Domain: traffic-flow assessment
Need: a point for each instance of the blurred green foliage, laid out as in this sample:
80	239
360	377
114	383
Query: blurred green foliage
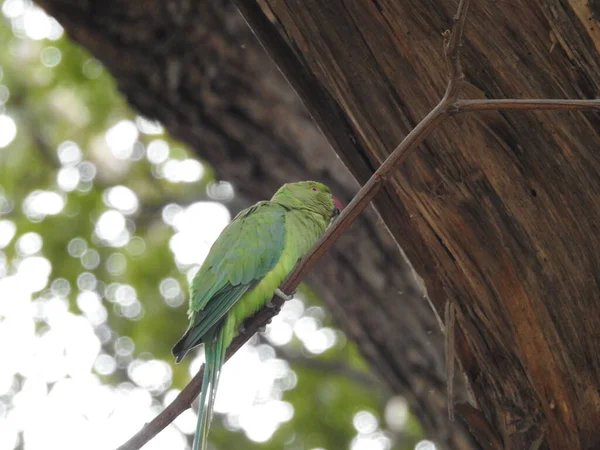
57	93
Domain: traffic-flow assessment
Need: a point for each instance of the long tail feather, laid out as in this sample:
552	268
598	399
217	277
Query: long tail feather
215	357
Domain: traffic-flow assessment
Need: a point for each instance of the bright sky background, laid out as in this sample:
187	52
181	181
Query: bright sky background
60	402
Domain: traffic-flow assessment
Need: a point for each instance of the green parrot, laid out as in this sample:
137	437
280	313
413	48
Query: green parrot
242	272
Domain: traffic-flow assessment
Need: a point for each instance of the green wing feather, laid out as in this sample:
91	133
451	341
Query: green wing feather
245	251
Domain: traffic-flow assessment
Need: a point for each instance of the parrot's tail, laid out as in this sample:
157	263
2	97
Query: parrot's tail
214	350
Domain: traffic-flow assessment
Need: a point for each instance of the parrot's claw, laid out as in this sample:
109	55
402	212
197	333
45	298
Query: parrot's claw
273	306
282	295
242	329
262	329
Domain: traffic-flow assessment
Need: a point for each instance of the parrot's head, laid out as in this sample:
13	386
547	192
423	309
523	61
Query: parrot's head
310	195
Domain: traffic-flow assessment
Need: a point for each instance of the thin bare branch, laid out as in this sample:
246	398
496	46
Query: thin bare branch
461	106
449	319
452	47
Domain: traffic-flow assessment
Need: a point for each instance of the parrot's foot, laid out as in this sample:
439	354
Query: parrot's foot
262	329
242	329
282	295
273	306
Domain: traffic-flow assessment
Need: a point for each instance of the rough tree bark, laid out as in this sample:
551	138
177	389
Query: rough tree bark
498	212
197	68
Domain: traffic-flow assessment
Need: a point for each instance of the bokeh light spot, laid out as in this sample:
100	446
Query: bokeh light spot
4	94
7	232
36	23
364	422
171	291
87	171
396	413
425	445
67	178
50	56
157	151
34	272
154	375
29	243
221	191
77	247
121	198
185	171
69	153
86	281
8	130
60	287
90	259
92	68
39	204
116	263
124	346
110	225
148	126
136	246
13	8
121	137
105	364
90	304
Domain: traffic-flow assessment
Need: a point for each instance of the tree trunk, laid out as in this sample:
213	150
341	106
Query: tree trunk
197	68
499	212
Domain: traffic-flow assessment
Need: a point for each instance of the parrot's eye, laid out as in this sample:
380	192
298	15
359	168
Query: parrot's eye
314	189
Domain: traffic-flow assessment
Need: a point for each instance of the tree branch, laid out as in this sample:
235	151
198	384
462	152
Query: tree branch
452	48
461	106
356	206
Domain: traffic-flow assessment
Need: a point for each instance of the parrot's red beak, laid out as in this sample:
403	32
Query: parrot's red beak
337	206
